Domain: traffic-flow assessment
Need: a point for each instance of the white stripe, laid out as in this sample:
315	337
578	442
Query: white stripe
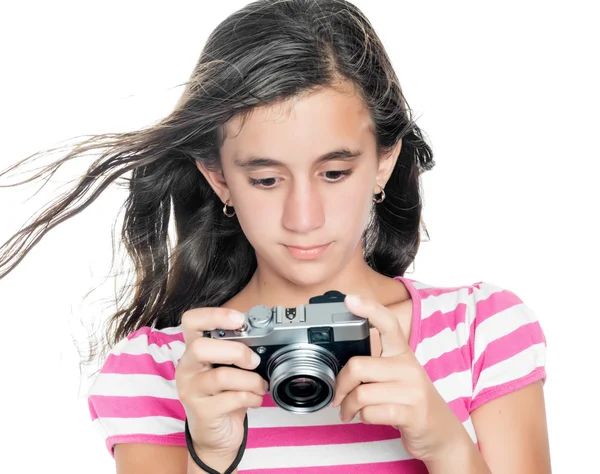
147	425
419	285
177	350
324	455
133	385
278	417
456	385
444	341
139	345
486	290
499	325
452	387
275	457
170	331
513	368
470	429
447	302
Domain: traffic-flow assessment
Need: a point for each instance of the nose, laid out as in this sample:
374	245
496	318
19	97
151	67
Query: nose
303	209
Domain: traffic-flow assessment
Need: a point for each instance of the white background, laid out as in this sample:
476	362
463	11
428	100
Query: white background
506	91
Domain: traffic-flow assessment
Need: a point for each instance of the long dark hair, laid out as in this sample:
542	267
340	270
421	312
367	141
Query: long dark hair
268	51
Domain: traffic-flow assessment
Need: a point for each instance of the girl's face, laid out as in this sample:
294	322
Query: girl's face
301	176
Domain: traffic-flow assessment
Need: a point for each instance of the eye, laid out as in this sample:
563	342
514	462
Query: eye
263	183
337	175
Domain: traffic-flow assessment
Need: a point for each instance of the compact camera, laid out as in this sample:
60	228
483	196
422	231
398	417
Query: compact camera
302	349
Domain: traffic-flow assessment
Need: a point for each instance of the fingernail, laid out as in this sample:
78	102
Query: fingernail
237	317
353	299
255	359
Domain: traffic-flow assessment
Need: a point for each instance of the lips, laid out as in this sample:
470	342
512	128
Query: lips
307	247
307	252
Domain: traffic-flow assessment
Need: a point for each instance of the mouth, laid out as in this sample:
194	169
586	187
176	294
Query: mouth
307	252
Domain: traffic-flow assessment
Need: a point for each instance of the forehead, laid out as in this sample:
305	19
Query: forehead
305	126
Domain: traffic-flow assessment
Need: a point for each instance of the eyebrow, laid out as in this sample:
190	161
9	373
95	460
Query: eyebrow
254	162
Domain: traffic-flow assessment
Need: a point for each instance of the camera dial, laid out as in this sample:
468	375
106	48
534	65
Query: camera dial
259	316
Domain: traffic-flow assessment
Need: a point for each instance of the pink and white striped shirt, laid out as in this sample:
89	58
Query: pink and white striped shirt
476	342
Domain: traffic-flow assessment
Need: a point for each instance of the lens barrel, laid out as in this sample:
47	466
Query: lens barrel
302	377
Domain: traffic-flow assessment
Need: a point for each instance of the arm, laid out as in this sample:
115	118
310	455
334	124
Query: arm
136	402
137	458
512	436
512	432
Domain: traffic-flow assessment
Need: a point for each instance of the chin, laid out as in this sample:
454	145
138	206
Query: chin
307	278
318	274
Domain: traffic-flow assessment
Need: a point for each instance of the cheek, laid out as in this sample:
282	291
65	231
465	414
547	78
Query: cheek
258	214
349	208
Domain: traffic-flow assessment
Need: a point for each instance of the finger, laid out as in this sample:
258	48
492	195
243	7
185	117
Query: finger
393	341
369	394
213	351
195	321
227	402
387	414
224	379
363	370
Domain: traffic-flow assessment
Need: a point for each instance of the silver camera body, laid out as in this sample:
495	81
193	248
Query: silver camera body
302	349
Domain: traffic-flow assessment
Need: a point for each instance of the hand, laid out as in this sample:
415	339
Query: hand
216	399
395	390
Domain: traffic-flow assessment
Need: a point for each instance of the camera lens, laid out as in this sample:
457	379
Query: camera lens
302	377
302	391
302	388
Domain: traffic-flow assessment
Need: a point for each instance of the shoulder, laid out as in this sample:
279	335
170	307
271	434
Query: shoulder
471	304
482	334
153	341
146	351
134	396
479	312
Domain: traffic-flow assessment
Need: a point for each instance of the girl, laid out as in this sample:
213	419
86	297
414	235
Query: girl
291	167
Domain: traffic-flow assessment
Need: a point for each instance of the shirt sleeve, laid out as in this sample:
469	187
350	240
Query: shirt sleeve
134	397
508	346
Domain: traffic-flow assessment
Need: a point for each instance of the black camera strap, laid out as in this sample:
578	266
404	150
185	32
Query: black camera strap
210	470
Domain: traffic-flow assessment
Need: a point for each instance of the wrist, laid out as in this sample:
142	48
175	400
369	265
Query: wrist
218	461
464	453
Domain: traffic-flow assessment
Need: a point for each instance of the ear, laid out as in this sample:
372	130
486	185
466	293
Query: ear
386	166
216	180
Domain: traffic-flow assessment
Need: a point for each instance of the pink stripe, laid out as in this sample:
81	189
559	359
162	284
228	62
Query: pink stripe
93	412
134	407
460	407
412	466
142	364
439	321
471	342
495	303
417	312
268	402
491	393
427	292
319	435
448	363
487	309
156	337
508	346
177	439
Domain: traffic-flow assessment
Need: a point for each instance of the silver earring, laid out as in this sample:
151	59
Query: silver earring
379	197
226	211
